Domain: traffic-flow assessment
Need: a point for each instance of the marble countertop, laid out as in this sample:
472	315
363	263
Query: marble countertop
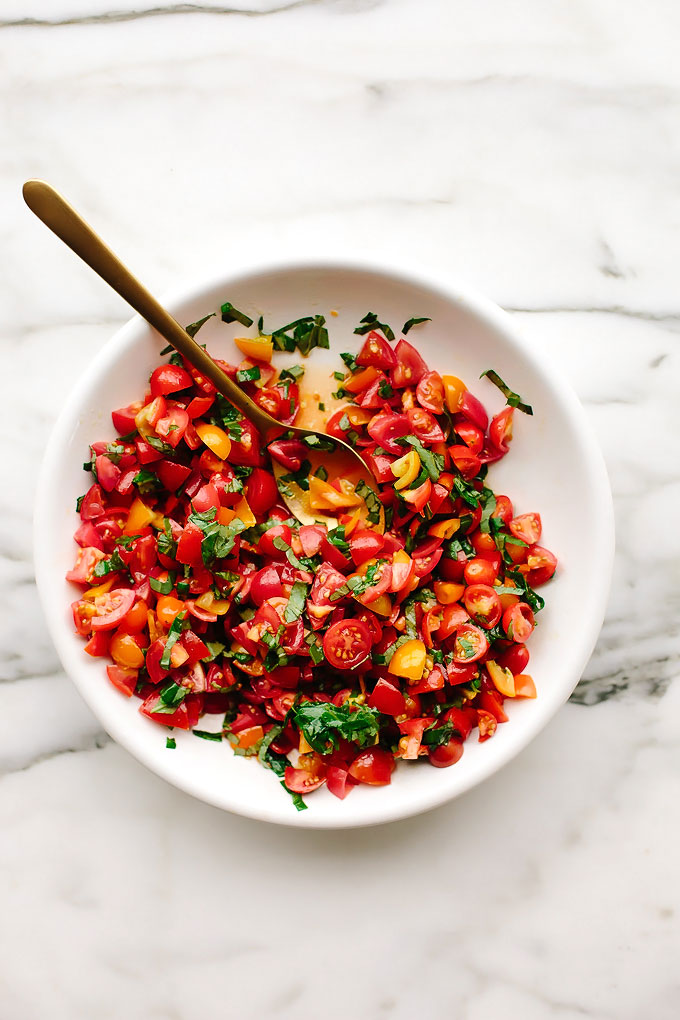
530	148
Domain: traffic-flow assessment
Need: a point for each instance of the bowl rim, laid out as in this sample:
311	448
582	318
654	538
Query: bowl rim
453	290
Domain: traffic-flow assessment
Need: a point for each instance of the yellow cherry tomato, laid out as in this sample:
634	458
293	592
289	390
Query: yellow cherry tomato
409	660
324	496
215	438
244	513
259	348
101	589
139	516
406	469
167	608
125	651
444	529
454	388
447	592
502	678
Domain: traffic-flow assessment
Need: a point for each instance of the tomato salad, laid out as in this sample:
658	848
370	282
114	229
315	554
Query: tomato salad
330	653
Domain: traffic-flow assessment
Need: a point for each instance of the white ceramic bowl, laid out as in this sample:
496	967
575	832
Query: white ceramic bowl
554	467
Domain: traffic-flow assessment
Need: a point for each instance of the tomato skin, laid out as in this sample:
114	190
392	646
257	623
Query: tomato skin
483	605
374	767
124	418
169	379
86	560
503	509
377	352
453	616
266	544
387	698
346	644
492	702
207	498
472	436
410	367
247	451
518	622
381	466
262	492
172	475
288	452
430	392
446	754
189	546
526	527
365	545
480	571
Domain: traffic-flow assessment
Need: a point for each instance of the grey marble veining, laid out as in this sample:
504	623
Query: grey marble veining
530	148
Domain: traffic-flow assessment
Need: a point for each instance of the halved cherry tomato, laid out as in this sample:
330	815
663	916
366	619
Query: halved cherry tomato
487	724
410	367
169	379
524	686
346	644
500	429
526	527
266	544
470	643
376	351
365	545
446	754
302	781
386	428
262	491
473	409
472	436
518	622
173	426
467	462
381	572
483	605
430	392
111	608
541	565
425	426
480	571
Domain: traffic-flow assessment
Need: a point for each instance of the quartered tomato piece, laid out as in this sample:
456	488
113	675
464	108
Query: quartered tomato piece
430	392
374	767
377	352
410	367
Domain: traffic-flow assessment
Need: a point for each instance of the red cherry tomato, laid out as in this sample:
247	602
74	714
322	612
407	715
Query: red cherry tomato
410	367
387	698
365	545
500	429
503	509
266	544
483	605
518	622
347	643
290	453
266	584
470	644
173	426
425	426
430	392
262	492
480	571
462	720
526	527
377	352
473	409
206	498
467	462
374	767
446	754
452	616
542	565
516	659
487	724
247	451
385	428
381	571
111	608
302	781
169	379
472	436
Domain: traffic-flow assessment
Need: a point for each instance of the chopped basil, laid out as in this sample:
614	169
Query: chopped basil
488	501
466	491
171	743
146	481
260	325
436	736
385	390
231	314
270	759
322	407
344	423
208	735
317	442
248	374
227	417
351	362
192	329
321	473
308	332
218	539
297	799
296	602
370	498
340	376
513	399
315	650
183	589
166	543
114	451
293	373
160	446
432	462
324	724
110	566
299	477
413	322
162	587
179	624
79	502
282	546
337	538
370	322
352	585
531	597
502	540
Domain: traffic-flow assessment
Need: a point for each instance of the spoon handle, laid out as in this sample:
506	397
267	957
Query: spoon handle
55	212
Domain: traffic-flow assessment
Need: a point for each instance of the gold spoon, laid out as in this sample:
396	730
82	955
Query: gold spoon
55	212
